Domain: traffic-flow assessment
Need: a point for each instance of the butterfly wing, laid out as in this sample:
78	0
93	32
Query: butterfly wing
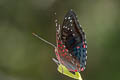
72	45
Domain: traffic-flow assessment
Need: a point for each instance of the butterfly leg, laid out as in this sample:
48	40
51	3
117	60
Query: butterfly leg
56	61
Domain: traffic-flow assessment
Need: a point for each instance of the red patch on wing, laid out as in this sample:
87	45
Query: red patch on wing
66	50
78	47
63	45
84	46
65	53
59	51
58	45
82	69
63	50
75	70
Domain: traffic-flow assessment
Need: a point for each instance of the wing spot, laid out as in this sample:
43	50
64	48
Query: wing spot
65	53
72	62
71	24
56	20
86	51
84	46
75	70
68	17
63	45
64	39
70	20
66	50
82	69
73	34
83	30
63	26
58	45
59	26
62	54
65	17
86	57
58	31
68	28
85	62
55	13
56	24
78	47
85	36
59	51
63	50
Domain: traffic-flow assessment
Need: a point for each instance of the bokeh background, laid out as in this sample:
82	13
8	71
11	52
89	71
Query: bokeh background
24	57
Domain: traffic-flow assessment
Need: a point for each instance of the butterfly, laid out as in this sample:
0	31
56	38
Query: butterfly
71	46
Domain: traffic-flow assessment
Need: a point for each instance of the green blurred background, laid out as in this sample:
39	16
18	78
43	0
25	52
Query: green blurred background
24	57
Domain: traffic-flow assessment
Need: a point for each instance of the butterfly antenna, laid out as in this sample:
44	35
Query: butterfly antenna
44	40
